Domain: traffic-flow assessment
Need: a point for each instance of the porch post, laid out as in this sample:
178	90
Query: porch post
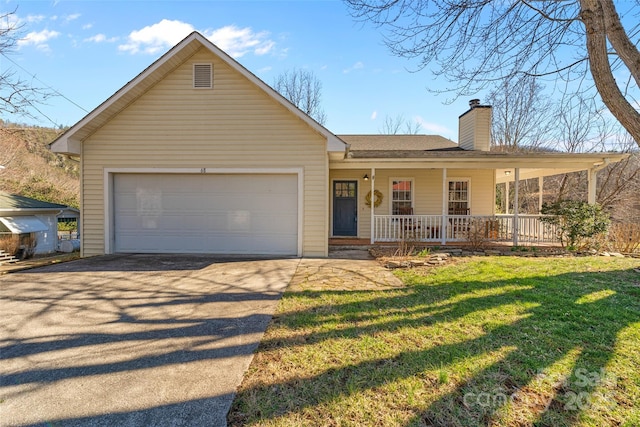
373	208
516	202
506	200
592	177
540	193
445	210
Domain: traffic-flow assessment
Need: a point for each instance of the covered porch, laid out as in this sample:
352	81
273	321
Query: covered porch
450	197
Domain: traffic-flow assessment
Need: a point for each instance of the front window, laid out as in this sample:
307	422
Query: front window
401	197
459	197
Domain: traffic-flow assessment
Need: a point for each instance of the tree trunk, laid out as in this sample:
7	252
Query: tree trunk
592	16
620	41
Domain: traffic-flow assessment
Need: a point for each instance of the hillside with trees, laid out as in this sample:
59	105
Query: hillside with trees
32	170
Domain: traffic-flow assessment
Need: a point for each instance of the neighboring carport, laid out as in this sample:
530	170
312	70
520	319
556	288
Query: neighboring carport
133	339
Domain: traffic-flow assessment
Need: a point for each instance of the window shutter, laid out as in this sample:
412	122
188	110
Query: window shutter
202	76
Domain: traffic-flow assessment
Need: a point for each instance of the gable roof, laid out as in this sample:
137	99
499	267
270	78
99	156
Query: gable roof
398	142
13	202
70	141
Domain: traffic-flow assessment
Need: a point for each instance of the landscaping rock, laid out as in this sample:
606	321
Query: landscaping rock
443	255
388	256
393	264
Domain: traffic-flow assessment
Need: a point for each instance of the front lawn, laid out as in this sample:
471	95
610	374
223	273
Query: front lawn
502	341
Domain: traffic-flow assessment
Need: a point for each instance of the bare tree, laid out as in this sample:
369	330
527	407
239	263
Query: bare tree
17	96
304	90
475	43
579	126
522	114
399	125
9	148
619	183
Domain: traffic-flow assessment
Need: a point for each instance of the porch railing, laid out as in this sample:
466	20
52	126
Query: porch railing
457	228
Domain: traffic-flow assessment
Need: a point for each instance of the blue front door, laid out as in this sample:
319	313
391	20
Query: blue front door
345	208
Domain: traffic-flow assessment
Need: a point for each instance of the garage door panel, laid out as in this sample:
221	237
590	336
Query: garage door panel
251	214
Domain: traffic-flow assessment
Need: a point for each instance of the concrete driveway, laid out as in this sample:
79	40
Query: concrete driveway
132	340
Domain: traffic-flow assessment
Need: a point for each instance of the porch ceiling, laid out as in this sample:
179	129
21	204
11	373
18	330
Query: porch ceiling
531	165
508	175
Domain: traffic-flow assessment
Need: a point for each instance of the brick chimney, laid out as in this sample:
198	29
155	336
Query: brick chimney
474	127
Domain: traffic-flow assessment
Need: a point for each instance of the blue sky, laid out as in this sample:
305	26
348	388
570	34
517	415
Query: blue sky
87	50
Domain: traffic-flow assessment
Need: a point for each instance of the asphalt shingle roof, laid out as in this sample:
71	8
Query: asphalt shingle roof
13	201
398	142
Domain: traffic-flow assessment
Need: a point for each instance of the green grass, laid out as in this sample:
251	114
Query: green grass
502	341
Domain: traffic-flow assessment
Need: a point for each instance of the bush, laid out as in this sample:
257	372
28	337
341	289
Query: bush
28	243
67	226
10	244
478	234
624	237
575	221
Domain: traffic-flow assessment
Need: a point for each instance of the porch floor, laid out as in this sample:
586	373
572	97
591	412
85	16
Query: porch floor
352	241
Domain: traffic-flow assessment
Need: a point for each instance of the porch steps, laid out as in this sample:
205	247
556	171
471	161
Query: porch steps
5	258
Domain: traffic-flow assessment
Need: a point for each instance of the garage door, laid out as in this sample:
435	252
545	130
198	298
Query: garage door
232	214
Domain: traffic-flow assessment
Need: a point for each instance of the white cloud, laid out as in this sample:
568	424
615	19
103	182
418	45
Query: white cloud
432	127
166	33
38	39
157	37
374	115
240	41
72	17
87	26
34	19
357	66
100	38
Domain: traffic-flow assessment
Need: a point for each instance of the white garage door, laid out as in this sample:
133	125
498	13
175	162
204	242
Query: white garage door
231	214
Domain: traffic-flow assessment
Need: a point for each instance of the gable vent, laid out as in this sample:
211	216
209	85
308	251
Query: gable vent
202	76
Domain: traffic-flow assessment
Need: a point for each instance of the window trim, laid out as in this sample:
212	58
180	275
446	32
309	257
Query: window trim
461	179
413	191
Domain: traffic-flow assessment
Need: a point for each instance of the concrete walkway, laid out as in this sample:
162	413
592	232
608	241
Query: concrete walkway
133	340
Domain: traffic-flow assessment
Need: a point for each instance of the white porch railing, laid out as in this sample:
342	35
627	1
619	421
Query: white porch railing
457	228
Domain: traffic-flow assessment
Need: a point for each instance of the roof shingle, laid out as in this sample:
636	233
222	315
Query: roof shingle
13	201
397	142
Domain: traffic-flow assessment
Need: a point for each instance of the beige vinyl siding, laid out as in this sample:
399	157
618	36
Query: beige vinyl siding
474	132
233	125
427	198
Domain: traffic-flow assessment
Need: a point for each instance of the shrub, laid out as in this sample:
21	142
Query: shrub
624	237
28	243
575	221
10	244
477	234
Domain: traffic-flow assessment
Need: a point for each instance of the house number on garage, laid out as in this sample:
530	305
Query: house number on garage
203	170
